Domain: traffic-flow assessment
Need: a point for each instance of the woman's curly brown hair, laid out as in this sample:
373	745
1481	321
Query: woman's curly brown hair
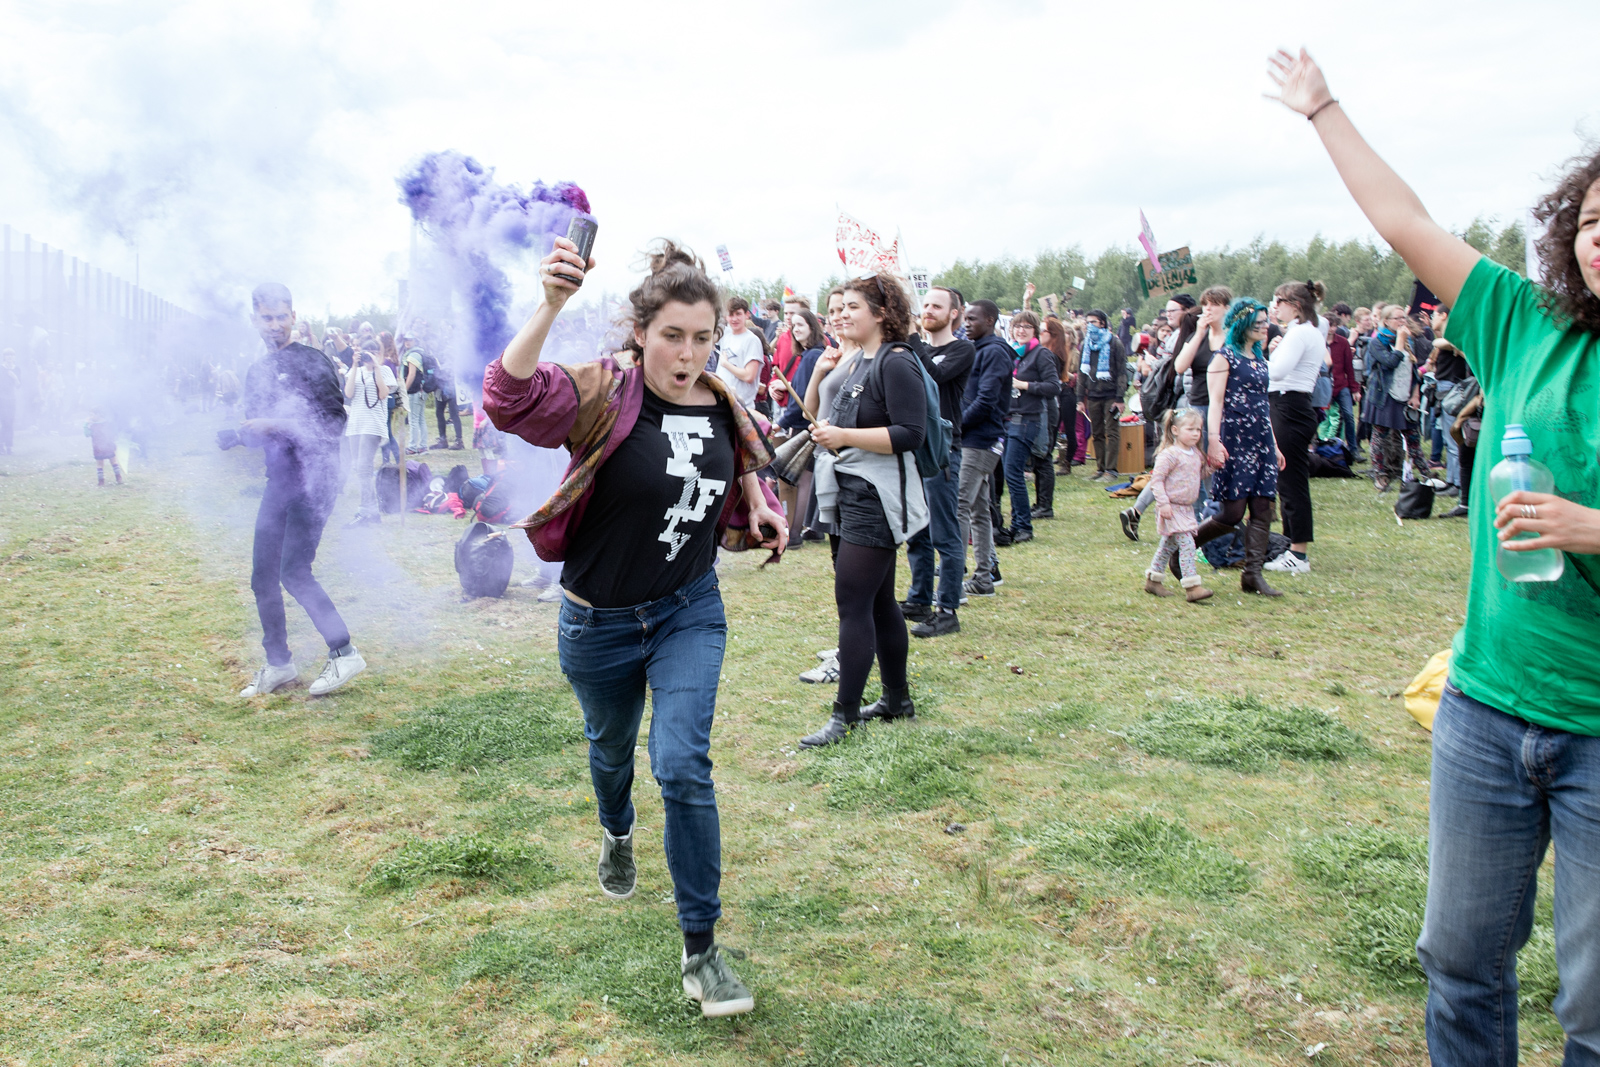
886	298
676	274
1565	292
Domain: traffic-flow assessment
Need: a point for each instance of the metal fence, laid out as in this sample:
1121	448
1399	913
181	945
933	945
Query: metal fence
59	310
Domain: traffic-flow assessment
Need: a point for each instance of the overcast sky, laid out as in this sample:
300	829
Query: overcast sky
232	142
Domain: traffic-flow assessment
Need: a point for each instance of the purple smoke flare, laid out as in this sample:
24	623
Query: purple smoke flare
474	220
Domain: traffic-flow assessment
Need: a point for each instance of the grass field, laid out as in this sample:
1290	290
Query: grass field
1122	830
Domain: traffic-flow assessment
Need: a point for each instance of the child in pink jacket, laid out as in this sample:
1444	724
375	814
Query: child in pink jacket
1175	483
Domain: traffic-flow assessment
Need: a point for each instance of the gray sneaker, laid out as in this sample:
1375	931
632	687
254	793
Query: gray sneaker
708	979
826	673
619	875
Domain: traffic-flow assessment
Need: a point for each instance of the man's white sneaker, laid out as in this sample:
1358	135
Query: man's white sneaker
1288	563
827	654
269	679
340	669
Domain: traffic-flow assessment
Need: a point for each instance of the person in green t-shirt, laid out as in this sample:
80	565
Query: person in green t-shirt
1516	742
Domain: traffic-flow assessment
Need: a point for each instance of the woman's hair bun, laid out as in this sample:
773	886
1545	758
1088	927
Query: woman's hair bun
666	253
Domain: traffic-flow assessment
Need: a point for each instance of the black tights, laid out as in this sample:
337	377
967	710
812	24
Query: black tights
869	620
1232	511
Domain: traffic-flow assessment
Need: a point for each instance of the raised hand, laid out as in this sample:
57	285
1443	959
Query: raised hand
561	272
1301	87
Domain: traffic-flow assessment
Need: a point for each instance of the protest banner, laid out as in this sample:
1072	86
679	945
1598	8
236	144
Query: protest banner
1423	302
727	260
1147	238
921	281
1078	286
1177	271
1051	302
863	250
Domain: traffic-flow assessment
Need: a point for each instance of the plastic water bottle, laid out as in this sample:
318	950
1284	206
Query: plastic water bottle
1519	470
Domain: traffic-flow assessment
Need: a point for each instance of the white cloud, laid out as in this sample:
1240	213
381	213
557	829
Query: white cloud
233	142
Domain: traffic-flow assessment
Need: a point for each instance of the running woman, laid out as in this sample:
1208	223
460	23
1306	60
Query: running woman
663	470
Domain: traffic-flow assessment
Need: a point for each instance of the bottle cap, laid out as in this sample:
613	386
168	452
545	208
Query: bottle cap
1515	442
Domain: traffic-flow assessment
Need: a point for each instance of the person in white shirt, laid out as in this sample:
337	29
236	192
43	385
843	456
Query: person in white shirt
1296	358
742	354
366	389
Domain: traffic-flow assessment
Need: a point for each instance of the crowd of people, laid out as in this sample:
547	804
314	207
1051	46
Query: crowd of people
889	419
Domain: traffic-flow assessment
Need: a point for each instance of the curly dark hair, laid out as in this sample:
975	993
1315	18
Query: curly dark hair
1565	292
887	299
675	274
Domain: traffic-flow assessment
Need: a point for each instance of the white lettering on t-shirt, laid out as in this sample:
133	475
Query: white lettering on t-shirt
685	433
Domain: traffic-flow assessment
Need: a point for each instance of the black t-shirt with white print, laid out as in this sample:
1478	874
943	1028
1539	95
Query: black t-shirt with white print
651	525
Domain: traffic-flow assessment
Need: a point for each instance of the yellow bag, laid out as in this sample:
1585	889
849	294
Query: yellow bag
1422	695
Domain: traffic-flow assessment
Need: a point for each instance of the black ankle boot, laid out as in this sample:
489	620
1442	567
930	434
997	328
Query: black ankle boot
844	719
894	704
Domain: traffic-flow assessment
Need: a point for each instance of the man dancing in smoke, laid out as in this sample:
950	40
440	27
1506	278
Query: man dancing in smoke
294	409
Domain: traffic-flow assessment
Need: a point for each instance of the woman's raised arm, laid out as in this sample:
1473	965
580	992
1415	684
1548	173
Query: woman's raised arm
1440	258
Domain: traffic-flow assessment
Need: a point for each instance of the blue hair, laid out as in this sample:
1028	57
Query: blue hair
1241	318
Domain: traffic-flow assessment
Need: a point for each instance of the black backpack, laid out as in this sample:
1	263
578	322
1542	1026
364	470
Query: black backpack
456	479
1157	395
1415	501
483	561
417	478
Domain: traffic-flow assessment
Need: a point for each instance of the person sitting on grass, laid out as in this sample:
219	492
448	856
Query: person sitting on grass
664	458
1516	740
1175	481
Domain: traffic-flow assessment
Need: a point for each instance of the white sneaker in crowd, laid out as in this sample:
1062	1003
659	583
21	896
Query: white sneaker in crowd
1288	563
340	669
826	673
269	679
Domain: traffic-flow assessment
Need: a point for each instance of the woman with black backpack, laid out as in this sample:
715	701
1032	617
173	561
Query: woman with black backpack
869	483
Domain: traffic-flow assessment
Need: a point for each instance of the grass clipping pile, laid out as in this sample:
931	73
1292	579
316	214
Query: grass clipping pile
1244	734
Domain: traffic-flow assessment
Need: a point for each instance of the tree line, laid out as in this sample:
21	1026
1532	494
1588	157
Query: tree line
1355	272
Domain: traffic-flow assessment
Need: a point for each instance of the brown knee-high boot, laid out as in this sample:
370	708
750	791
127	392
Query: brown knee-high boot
1256	537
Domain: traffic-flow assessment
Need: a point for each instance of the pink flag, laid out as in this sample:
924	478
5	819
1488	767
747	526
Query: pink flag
1148	240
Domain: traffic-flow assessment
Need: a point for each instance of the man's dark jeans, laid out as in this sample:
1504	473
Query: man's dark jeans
673	647
445	407
1020	435
288	530
943	532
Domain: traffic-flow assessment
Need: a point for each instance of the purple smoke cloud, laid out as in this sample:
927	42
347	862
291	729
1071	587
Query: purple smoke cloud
475	220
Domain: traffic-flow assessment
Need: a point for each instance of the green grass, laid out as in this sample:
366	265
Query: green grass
474	856
907	766
1243	733
402	873
483	728
1152	852
1381	878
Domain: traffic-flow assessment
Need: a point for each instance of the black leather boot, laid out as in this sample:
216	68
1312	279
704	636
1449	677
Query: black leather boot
1256	538
1209	530
894	704
844	719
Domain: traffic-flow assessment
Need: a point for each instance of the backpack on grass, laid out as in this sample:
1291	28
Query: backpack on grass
483	561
